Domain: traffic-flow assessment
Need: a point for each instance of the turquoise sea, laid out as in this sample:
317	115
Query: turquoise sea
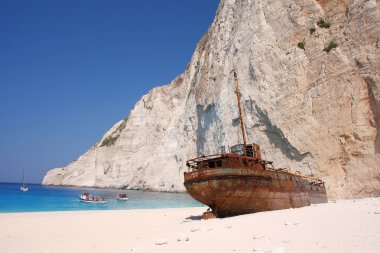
41	198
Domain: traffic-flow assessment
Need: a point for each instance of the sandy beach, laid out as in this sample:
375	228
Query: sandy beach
341	226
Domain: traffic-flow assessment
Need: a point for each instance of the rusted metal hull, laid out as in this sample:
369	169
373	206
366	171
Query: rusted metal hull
242	182
234	191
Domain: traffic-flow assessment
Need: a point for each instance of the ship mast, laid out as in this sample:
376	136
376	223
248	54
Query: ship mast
23	173
240	111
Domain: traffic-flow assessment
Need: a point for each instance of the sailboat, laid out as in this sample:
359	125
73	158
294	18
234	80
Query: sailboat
23	188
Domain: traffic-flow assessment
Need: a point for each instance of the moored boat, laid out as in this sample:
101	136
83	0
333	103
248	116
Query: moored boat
87	198
240	181
122	197
23	188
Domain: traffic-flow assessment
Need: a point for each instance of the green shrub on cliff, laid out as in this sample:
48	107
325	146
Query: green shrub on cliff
332	45
323	23
109	141
301	44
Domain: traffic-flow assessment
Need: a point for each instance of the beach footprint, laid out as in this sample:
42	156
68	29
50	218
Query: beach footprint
183	238
161	242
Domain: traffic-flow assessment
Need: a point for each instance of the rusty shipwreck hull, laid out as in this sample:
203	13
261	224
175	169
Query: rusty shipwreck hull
234	191
240	181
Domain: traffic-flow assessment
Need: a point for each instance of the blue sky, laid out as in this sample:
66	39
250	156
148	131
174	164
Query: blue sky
70	69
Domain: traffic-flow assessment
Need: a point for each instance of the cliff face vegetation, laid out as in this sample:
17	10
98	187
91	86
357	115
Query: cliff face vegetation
309	74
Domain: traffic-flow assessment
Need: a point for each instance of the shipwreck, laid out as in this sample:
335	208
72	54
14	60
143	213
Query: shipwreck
240	181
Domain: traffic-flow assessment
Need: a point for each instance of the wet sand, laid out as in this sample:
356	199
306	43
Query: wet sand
344	226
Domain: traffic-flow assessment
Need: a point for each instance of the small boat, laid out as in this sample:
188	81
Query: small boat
122	197
23	188
87	198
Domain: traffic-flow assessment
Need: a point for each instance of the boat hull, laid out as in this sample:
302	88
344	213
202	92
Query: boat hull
93	201
235	191
24	188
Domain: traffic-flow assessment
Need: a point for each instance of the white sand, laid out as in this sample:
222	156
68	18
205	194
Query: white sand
345	226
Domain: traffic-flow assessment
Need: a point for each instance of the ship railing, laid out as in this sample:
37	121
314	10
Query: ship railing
195	161
278	169
311	180
193	164
315	181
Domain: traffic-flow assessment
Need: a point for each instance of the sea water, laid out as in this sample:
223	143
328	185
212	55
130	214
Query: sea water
41	198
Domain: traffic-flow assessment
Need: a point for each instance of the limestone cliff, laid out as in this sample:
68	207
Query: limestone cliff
309	72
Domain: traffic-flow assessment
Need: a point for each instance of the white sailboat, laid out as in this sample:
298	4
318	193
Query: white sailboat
23	188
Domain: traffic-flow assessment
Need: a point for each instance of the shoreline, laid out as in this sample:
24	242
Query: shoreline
52	198
111	188
338	226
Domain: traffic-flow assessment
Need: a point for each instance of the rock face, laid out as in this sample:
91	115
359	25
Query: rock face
309	74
